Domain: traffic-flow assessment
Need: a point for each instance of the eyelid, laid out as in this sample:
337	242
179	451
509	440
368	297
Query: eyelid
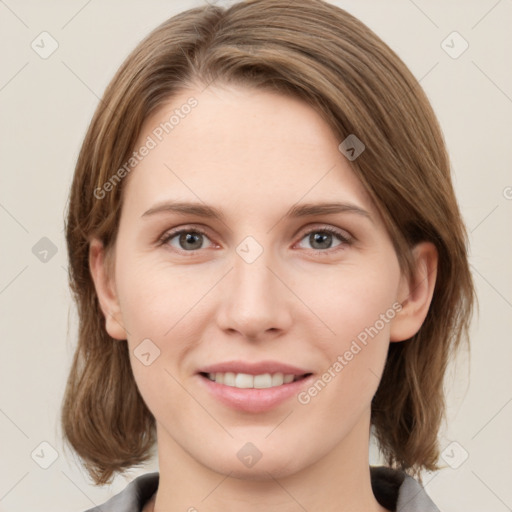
342	233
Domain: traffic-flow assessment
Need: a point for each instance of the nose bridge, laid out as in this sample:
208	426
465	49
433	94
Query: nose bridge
251	275
255	299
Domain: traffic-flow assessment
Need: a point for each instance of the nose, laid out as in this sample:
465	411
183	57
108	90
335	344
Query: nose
254	299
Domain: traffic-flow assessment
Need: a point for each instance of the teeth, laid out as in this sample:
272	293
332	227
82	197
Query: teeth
244	380
263	381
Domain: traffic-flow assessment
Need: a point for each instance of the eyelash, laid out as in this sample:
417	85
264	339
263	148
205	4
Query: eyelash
169	235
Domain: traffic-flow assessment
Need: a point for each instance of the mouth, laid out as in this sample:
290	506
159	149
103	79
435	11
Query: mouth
249	381
251	387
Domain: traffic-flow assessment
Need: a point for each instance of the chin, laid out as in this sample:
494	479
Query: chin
274	465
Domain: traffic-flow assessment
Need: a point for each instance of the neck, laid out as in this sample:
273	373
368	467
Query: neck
338	481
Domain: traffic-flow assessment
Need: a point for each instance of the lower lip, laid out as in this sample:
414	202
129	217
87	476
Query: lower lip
252	399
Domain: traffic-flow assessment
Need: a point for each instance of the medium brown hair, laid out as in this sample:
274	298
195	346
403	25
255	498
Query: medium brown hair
319	53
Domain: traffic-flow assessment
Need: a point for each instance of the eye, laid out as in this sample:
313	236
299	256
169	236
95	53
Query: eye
188	240
321	239
191	239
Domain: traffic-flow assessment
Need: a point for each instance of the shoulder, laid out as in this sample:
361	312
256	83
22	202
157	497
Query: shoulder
133	497
394	490
399	492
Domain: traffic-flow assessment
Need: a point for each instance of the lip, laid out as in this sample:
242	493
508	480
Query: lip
254	368
254	400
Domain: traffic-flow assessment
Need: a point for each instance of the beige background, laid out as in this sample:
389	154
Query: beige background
46	105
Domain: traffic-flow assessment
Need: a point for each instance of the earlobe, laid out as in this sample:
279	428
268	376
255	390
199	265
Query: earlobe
415	294
105	290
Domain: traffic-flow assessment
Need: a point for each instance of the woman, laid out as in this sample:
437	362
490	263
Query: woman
268	260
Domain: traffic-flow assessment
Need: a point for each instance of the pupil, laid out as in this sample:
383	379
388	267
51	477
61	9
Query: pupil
317	238
188	238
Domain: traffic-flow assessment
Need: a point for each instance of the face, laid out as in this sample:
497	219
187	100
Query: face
268	287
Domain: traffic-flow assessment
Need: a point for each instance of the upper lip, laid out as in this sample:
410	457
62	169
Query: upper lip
254	368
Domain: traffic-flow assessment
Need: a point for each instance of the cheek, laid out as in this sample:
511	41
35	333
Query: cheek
161	310
357	304
156	296
354	299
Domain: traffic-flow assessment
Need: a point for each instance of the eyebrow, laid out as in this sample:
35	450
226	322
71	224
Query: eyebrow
296	211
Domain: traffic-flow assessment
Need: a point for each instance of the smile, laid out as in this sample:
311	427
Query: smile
245	380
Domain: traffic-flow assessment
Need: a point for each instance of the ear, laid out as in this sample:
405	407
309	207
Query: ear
415	294
104	282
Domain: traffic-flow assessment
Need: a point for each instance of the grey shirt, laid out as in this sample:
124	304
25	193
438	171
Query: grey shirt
393	489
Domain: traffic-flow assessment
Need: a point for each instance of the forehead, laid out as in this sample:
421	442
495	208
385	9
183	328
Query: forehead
241	146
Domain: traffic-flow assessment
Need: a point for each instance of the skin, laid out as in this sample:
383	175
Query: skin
253	154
